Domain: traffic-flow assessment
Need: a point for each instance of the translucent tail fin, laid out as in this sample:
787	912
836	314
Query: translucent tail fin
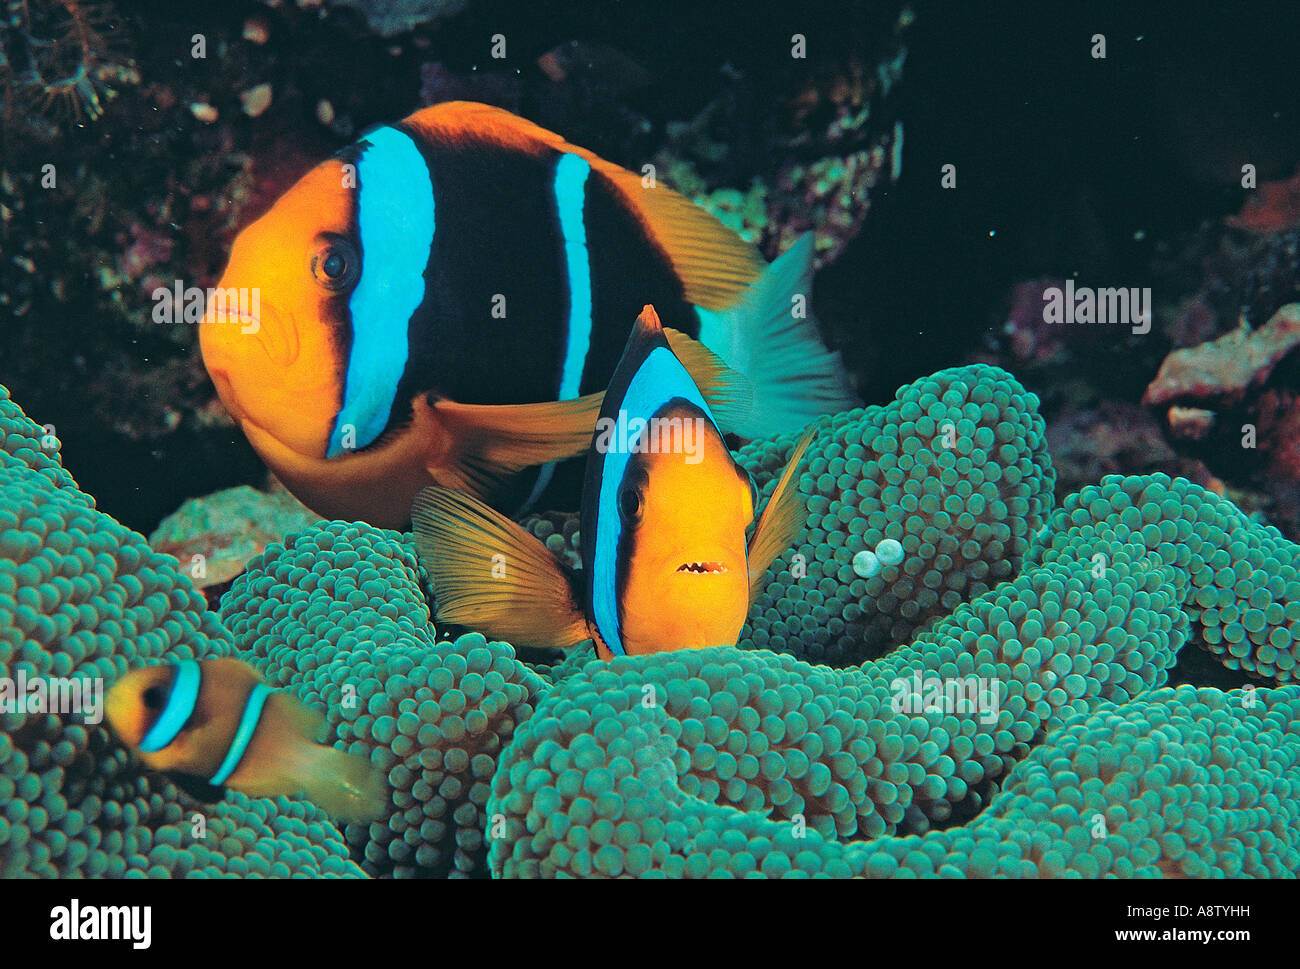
346	786
771	337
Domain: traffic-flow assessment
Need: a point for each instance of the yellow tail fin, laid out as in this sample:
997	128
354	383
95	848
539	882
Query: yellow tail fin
292	762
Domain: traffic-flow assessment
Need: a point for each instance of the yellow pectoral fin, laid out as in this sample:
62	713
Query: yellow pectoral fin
782	519
488	574
489	443
728	392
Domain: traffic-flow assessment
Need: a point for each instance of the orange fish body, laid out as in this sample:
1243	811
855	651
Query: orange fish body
444	301
215	724
686	582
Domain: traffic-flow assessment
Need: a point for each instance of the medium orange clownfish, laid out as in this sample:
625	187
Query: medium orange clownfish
665	508
432	304
215	724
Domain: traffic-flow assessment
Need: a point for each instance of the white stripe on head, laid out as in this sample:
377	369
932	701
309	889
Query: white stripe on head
178	709
395	223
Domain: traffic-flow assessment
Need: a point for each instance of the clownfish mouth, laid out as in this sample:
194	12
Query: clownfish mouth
703	568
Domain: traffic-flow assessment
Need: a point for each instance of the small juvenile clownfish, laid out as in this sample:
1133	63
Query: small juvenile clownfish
443	302
215	724
665	508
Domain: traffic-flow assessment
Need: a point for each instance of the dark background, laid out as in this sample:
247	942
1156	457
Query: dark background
1061	159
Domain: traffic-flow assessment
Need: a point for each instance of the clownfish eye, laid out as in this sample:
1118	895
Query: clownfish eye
630	505
336	263
155	698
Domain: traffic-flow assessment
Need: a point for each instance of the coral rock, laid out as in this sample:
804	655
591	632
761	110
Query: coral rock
1225	368
216	536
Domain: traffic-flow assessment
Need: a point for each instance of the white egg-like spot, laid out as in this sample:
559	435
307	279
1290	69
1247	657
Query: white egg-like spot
866	564
890	552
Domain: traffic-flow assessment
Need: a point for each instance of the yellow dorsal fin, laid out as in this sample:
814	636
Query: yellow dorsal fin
714	264
782	520
488	574
729	394
648	322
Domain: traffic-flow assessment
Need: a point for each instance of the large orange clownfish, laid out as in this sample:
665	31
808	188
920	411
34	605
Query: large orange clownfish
431	305
665	509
